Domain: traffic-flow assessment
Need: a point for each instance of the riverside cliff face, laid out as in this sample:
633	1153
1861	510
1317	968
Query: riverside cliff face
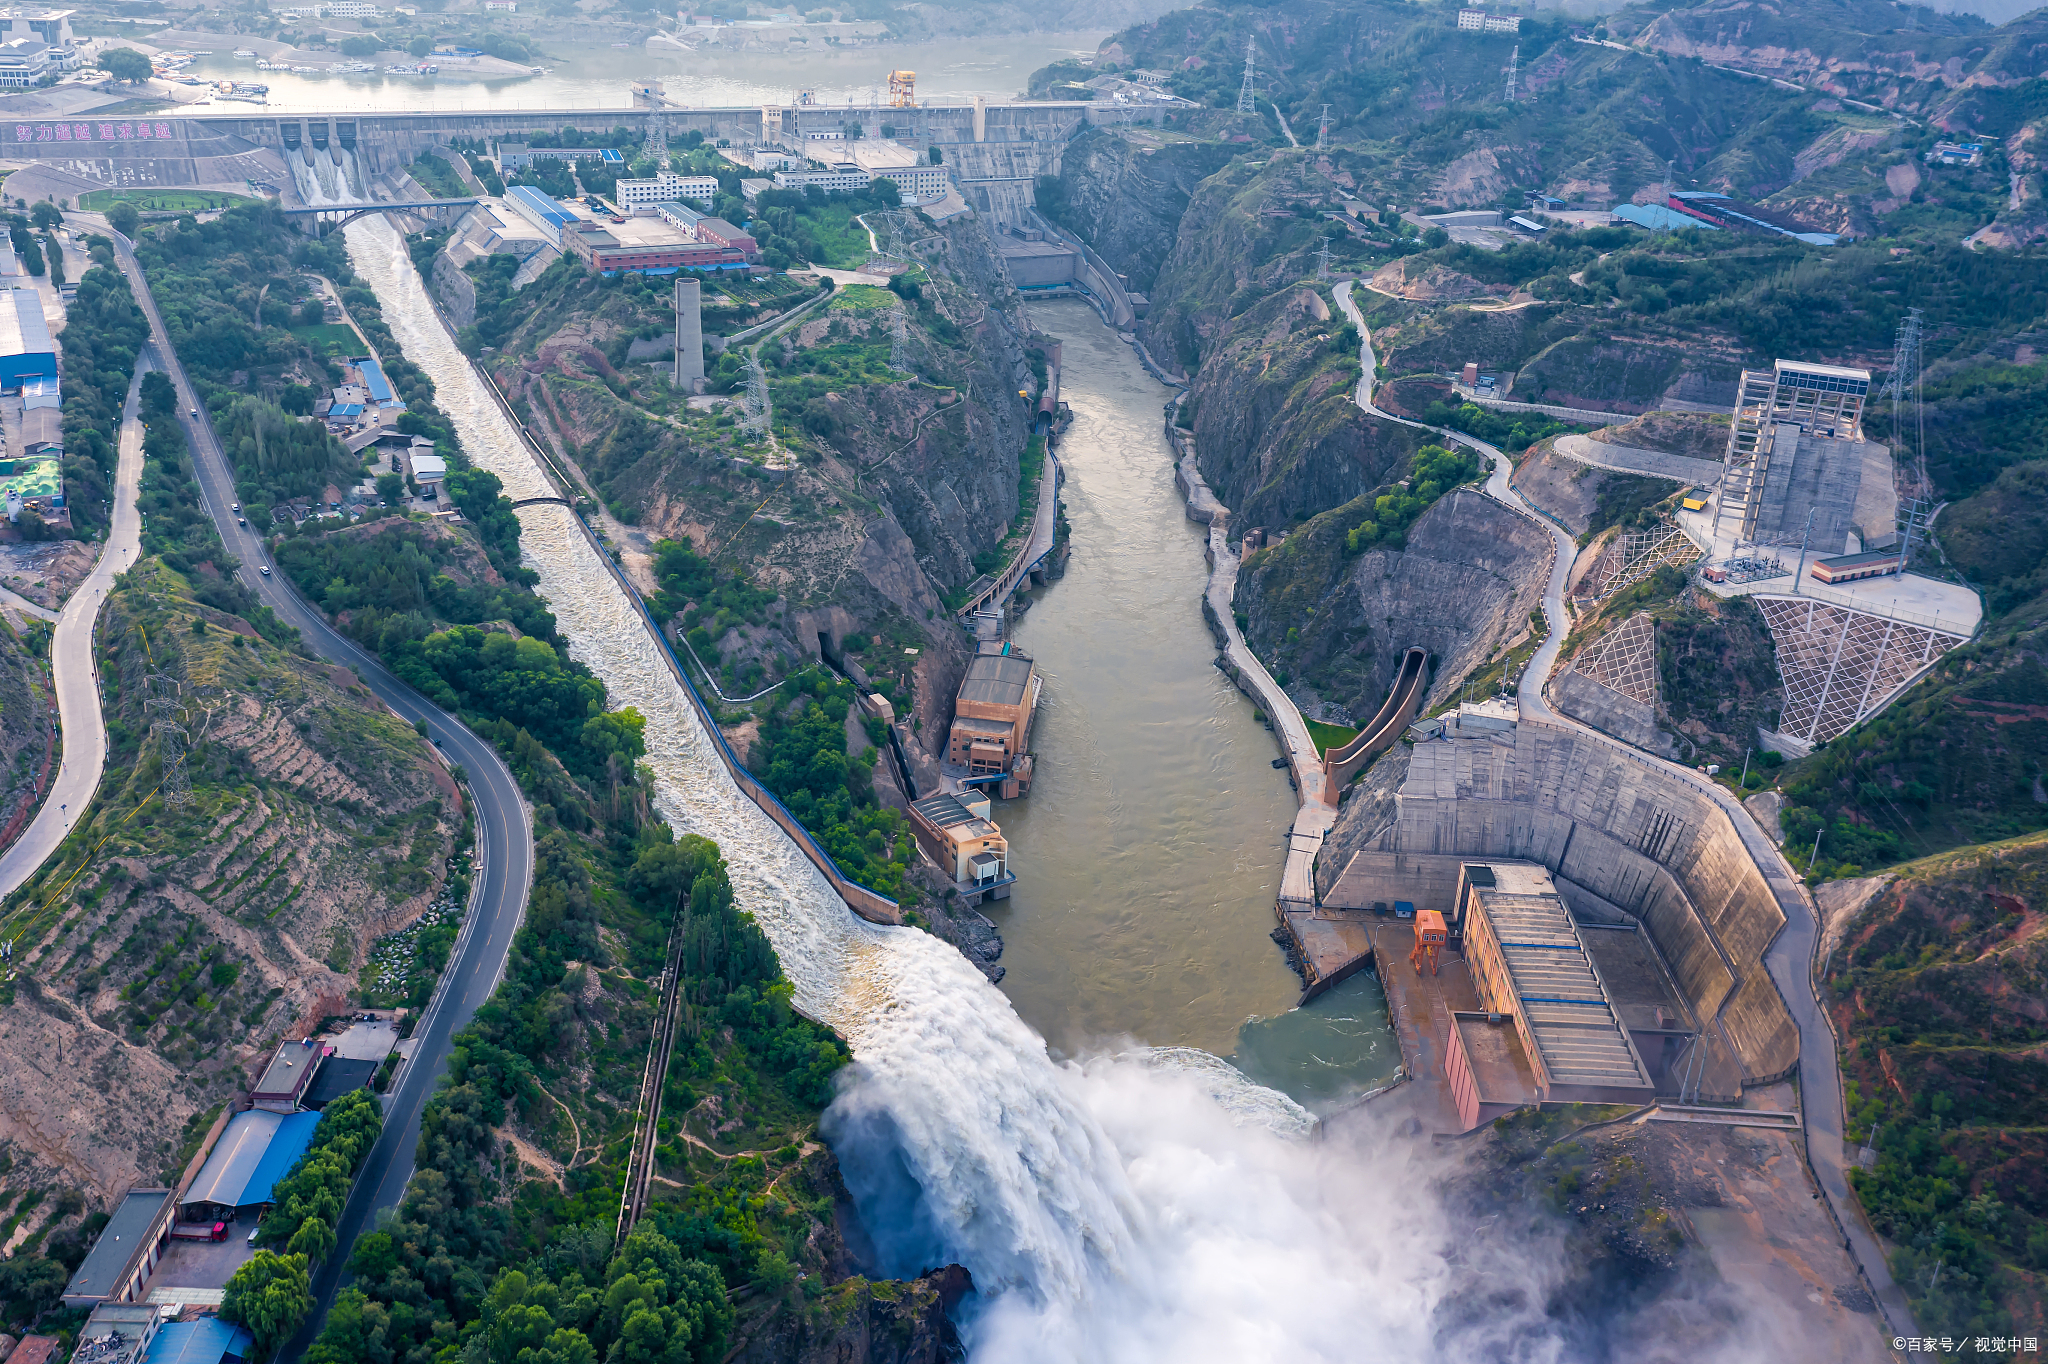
1337	624
1126	200
1278	435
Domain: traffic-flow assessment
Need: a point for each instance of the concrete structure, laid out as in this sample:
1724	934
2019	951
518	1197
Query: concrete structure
1841	665
1621	836
689	356
956	832
1796	443
1849	568
664	188
286	1078
1529	964
992	714
1612	684
129	1246
547	215
1038	264
26	350
1486	1068
117	1333
52	26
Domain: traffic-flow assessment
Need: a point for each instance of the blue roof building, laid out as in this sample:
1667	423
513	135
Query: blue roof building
209	1340
1658	218
540	210
380	387
225	1176
287	1144
26	350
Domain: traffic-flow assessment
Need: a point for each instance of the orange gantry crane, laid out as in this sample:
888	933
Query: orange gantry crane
1430	936
902	89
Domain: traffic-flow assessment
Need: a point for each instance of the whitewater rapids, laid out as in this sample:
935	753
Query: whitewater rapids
1138	1207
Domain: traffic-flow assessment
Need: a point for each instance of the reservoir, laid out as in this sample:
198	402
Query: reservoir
1150	848
593	76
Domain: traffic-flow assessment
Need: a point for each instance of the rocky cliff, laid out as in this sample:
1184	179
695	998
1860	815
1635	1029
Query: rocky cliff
1125	199
1278	434
1334	625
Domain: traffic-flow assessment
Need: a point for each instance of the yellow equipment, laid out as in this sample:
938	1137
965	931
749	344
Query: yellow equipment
902	89
1430	936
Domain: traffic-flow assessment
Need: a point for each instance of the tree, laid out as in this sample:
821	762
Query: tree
360	46
420	46
390	489
270	1294
125	64
44	214
314	1239
124	219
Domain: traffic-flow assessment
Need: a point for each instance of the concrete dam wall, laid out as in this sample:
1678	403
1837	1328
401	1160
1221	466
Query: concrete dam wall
1629	836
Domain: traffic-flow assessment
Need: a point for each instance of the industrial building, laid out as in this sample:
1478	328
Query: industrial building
285	1079
26	350
1796	444
646	246
1848	568
129	1246
545	213
1530	965
665	188
956	832
1727	211
255	1151
991	732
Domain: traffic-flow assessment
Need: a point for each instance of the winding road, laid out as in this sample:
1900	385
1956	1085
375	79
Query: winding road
504	857
74	671
1790	956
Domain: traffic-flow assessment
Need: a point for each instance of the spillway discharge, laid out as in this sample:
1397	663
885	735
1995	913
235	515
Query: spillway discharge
1144	1206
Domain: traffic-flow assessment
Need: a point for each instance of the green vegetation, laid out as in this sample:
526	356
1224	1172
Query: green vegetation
329	340
438	177
125	64
309	1199
814	227
1512	432
1435	472
863	297
801	757
270	1294
103	335
161	200
1938	992
1327	737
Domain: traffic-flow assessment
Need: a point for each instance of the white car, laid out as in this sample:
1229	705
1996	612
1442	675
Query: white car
234	506
265	570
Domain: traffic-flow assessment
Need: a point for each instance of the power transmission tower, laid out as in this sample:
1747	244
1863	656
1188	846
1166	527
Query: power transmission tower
170	747
1323	130
1514	60
1323	261
1246	103
756	404
1916	505
657	140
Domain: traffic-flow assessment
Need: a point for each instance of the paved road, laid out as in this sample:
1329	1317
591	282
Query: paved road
74	670
504	837
1629	459
1790	957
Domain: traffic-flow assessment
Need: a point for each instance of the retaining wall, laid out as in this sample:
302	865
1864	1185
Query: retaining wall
1631	834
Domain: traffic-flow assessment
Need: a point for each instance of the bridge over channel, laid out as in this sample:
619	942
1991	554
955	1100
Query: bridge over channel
341	215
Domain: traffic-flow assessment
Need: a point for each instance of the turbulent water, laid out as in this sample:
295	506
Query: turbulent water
1149	1206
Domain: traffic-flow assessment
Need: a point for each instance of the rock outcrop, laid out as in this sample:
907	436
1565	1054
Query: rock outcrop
1126	200
1337	624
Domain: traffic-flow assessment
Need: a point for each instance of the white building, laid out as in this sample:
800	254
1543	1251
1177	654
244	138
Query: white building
52	26
26	61
501	6
1479	21
1472	20
849	178
918	184
665	188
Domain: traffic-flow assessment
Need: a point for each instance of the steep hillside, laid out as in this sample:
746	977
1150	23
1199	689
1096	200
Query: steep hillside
1124	195
1331	617
168	944
1940	987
